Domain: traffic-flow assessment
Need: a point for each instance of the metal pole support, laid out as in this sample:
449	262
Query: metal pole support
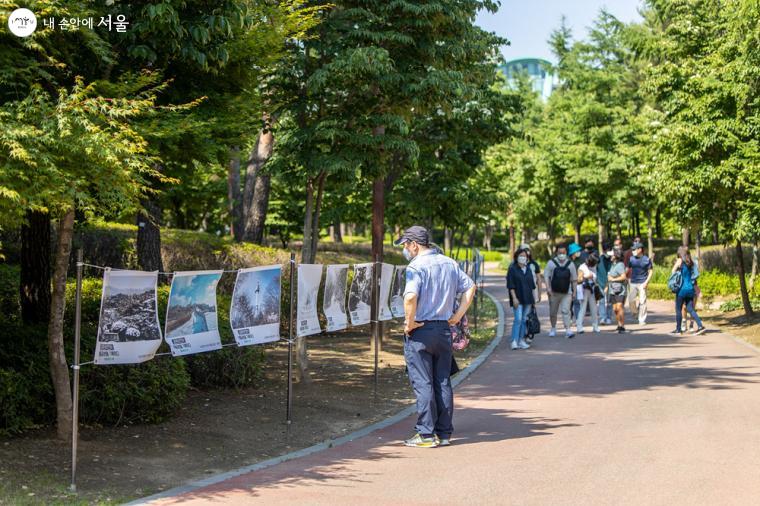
375	311
291	336
75	396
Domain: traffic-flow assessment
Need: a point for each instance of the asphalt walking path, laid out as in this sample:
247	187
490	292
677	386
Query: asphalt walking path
640	418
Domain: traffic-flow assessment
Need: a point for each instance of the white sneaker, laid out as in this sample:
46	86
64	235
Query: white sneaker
553	332
514	346
596	330
523	345
569	334
608	322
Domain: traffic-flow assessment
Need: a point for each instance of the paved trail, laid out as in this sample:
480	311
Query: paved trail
644	418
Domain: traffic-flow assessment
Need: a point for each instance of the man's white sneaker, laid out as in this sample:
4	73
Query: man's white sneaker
523	345
553	332
569	334
514	346
596	330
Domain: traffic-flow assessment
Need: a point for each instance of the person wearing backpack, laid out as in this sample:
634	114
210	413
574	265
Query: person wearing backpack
560	276
602	270
520	286
587	275
686	292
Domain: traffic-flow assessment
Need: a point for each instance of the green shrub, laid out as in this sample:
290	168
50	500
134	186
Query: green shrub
9	292
230	367
734	304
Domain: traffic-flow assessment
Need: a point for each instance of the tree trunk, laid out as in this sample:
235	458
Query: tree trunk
307	257
600	230
637	222
59	370
378	218
234	204
685	236
512	245
742	280
755	260
578	226
317	211
255	206
149	236
338	232
488	236
650	234
34	289
260	207
698	243
447	239
658	223
618	226
715	234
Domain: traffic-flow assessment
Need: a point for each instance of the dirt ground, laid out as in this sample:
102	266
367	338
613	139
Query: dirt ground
217	431
736	323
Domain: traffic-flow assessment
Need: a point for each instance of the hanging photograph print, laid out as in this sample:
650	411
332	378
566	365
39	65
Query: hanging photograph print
384	293
334	304
397	292
255	308
360	295
128	329
191	318
309	278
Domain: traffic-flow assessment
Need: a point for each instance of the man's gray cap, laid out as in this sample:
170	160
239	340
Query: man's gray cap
416	234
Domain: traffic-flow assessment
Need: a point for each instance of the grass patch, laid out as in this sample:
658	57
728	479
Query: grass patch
44	488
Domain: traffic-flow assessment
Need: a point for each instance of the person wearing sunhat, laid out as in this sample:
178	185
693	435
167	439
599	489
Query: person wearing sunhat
574	251
433	282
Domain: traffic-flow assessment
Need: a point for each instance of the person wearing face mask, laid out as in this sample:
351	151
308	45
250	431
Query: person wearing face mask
587	279
536	269
602	269
640	271
617	288
520	285
588	249
575	251
560	276
433	282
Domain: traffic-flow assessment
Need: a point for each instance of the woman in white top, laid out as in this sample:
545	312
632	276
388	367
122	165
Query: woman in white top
585	293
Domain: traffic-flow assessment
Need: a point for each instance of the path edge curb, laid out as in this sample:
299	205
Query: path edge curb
330	443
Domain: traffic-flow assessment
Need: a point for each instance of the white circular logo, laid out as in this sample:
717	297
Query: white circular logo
22	22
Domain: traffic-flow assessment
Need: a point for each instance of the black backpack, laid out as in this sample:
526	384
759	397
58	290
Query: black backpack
561	278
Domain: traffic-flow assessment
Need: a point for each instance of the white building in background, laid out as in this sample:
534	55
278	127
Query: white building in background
538	71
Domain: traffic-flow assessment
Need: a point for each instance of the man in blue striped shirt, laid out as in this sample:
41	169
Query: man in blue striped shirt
433	282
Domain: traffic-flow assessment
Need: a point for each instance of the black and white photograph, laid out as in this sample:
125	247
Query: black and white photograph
397	292
334	303
128	329
384	292
255	307
309	279
192	325
360	294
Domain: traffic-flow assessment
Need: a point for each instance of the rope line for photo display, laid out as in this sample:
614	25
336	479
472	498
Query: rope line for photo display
281	341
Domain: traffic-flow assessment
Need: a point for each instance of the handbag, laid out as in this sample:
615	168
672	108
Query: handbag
460	334
598	294
532	323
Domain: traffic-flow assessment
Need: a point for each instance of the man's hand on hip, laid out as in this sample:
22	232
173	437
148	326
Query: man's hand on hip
410	326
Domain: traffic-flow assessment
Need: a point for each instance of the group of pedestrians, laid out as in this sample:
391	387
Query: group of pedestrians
576	279
583	281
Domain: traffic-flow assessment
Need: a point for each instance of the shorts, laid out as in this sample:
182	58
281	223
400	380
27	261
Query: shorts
616	299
